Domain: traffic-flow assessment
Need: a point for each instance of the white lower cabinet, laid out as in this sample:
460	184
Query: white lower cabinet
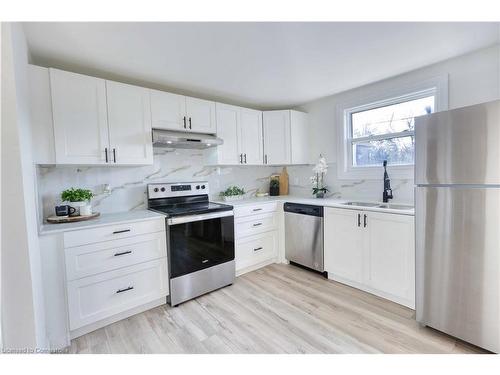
372	251
113	269
97	297
256	233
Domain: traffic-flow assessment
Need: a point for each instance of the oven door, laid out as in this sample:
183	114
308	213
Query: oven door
199	241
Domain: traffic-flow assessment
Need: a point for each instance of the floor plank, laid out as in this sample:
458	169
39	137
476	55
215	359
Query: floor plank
276	309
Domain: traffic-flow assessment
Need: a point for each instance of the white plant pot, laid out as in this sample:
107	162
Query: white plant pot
80	207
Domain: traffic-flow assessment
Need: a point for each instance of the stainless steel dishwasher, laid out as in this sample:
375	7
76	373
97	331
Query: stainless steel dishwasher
304	235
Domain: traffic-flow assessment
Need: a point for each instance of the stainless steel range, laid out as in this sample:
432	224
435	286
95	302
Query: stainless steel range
200	238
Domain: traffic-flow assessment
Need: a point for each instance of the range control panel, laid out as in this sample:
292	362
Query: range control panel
180	189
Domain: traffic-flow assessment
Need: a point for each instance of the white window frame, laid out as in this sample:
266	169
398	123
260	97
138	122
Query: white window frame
437	86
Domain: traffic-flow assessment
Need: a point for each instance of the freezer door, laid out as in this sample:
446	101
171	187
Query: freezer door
459	146
458	262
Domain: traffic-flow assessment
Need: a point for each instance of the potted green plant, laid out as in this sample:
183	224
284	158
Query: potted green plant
232	193
274	187
79	199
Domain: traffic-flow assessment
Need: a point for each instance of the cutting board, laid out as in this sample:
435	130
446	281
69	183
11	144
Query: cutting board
284	182
70	219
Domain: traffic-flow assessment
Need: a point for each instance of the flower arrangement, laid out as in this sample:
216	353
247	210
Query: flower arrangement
317	180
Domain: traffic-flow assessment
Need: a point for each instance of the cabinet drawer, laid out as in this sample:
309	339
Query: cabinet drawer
97	297
255	224
256	249
255	209
87	260
112	232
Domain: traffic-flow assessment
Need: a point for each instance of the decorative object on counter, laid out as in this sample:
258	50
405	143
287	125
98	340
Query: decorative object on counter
283	182
261	194
317	180
71	219
274	186
64	210
79	199
232	193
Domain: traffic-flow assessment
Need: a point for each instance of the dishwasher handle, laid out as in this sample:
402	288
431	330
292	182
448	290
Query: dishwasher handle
303	209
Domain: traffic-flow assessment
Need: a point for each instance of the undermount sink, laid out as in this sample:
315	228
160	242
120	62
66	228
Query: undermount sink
362	204
389	206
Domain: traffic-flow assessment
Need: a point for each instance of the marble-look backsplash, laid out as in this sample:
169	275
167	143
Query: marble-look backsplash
128	184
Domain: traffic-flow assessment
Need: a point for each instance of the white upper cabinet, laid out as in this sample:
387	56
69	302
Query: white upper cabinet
200	115
251	140
277	137
241	130
168	111
228	128
182	113
299	137
286	137
80	118
129	120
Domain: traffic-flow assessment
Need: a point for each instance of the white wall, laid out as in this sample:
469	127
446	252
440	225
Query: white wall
23	320
472	79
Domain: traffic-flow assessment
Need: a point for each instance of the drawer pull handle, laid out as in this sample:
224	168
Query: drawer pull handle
257	209
123	253
121	231
258	248
124	290
257	224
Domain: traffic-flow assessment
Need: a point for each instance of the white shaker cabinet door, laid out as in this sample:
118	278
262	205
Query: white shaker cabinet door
299	129
80	118
251	136
168	111
200	116
344	244
129	118
277	137
391	255
229	131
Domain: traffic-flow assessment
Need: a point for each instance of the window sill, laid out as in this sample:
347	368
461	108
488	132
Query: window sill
401	172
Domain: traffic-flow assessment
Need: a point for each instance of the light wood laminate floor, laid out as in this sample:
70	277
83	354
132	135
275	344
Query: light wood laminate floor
276	309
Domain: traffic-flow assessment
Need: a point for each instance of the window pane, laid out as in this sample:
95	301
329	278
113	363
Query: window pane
390	119
395	151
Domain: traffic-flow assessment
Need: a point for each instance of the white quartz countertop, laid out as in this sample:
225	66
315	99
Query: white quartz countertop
103	219
325	202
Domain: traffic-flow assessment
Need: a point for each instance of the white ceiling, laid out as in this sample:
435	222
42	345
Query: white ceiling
264	65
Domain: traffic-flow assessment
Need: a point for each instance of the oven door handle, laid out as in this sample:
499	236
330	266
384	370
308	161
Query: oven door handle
191	218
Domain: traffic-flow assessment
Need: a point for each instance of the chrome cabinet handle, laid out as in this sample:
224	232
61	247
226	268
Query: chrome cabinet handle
114	155
258	248
245	158
257	224
106	153
190	123
265	159
257	209
241	158
124	290
359	220
364	221
184	119
123	253
121	231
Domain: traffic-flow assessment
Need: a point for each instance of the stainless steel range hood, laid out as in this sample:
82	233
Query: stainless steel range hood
173	139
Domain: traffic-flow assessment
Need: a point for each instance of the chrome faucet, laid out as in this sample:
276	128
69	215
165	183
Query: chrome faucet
387	185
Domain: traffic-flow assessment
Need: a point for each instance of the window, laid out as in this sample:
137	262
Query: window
385	131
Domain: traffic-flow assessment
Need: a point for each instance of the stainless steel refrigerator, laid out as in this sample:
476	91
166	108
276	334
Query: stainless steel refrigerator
457	222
